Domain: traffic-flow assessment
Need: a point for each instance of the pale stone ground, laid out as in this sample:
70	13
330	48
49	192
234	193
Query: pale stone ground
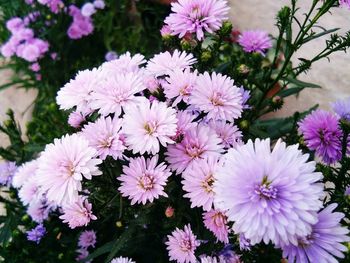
249	14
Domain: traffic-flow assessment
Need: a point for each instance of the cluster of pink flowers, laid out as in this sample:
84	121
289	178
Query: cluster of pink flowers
22	42
54	5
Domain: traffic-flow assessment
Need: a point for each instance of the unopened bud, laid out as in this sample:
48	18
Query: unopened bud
169	212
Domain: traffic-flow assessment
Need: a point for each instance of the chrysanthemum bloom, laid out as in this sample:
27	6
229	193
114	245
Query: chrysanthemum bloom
216	221
104	136
255	41
217	96
116	92
322	134
345	3
88	9
227	132
165	63
198	143
197	17
147	125
184	123
324	243
144	180
29	191
209	260
182	245
269	195
87	239
198	182
244	243
7	171
82	254
78	213
179	85
227	255
76	118
77	92
24	172
63	165
39	209
122	260
36	234
125	63
342	108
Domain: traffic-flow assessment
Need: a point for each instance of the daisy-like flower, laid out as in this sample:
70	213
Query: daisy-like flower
269	195
342	108
227	132
87	239
199	142
322	133
63	165
104	136
39	209
36	234
116	92
24	172
166	63
210	260
216	222
217	96
122	260
197	17
323	244
182	245
144	180
345	3
29	191
78	213
77	92
255	41
7	171
76	118
147	125
123	64
179	85
184	123
198	182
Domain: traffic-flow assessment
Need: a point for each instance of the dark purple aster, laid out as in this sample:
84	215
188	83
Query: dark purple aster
36	233
324	242
255	41
322	134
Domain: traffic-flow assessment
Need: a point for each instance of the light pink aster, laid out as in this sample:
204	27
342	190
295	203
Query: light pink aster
63	165
104	136
125	63
227	132
218	96
179	85
39	209
76	118
78	213
184	123
198	143
144	180
77	92
197	17
182	245
165	63
116	92
29	191
147	125
24	172
198	182
216	222
122	260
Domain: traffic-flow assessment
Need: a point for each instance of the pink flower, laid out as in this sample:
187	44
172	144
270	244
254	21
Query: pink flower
165	31
77	92
198	143
35	67
179	85
76	118
184	123
88	9
24	173
197	16
124	64
143	180
104	136
14	24
99	4
255	41
116	92
78	213
217	96
198	182
147	125
165	63
87	239
29	191
39	209
216	222
63	165
182	245
8	49
230	135
30	52
345	3
122	260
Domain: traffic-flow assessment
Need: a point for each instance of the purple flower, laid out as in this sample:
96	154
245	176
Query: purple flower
255	41
342	108
81	25
324	242
35	67
36	233
245	97
87	239
347	190
345	3
88	10
14	24
7	171
99	4
111	55
322	134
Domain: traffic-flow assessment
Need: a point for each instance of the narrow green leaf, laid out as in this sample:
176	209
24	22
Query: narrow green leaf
300	83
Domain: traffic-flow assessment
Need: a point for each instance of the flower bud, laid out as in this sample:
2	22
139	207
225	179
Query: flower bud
169	212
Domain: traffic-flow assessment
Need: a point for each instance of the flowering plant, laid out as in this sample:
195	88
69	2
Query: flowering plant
169	159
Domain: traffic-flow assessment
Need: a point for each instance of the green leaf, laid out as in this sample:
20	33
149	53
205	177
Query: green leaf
300	83
314	36
290	91
100	251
